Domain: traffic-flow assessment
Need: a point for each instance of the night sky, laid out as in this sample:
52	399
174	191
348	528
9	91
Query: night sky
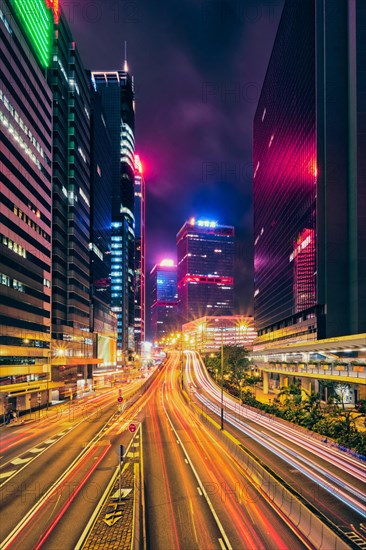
198	67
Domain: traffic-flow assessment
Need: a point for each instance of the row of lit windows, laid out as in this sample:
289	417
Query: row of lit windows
6	22
14	247
13	283
21	123
5	122
18	212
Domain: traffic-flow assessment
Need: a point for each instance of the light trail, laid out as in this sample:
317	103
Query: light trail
248	520
316	474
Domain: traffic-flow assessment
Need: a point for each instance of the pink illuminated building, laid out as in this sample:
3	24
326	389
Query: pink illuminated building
140	246
309	174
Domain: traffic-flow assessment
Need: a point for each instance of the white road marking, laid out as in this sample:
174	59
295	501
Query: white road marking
17	461
7	474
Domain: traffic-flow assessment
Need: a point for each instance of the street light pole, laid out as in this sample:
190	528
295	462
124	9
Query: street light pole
222	378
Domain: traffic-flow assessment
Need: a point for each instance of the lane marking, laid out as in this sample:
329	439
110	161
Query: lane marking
199	491
7	474
218	522
222	544
17	461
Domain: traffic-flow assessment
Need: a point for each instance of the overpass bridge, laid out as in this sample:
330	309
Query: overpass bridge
341	360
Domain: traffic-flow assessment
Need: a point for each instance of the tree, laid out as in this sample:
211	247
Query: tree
236	363
291	393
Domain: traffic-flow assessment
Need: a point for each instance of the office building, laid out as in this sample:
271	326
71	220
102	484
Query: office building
117	94
25	204
207	334
205	269
310	176
164	303
140	246
103	320
72	338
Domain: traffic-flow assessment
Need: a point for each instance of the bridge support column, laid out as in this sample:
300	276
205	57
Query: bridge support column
265	381
283	381
305	388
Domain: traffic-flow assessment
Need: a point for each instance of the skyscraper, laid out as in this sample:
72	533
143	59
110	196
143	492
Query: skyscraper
164	298
205	269
310	175
116	89
103	320
140	245
25	202
71	208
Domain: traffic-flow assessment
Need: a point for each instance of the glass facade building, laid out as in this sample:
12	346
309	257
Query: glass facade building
117	94
164	299
205	269
140	246
71	199
309	264
104	321
25	209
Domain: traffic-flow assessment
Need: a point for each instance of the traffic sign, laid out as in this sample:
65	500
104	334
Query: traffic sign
119	399
132	428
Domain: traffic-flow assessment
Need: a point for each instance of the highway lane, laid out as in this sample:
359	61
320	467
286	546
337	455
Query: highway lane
331	480
21	444
69	475
197	495
177	516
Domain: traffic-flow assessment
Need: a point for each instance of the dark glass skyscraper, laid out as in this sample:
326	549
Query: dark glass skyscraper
164	299
71	202
104	321
205	252
25	203
310	175
116	89
140	245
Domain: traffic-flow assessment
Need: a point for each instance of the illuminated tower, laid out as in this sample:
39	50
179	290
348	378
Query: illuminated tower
26	30
116	90
104	321
139	255
164	298
71	317
205	269
310	176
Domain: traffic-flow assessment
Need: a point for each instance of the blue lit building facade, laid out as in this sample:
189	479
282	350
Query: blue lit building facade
310	176
117	95
205	265
164	299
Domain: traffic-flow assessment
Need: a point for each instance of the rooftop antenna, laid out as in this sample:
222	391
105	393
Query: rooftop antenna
125	66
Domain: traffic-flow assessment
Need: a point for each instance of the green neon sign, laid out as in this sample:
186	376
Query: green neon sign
37	22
